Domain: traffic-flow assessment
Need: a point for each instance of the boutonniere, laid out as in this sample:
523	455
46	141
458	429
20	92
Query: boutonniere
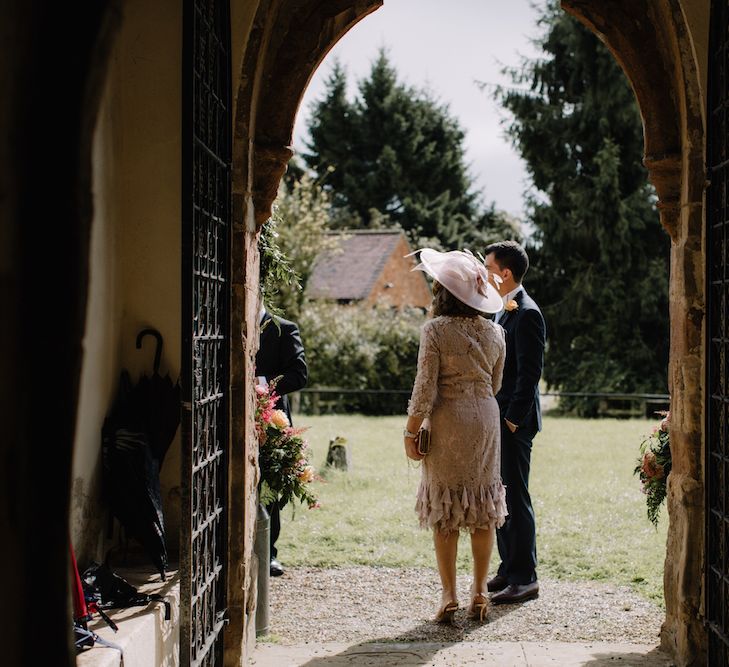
511	305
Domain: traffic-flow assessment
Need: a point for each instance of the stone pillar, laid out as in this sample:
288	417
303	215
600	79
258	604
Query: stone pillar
243	461
281	42
651	42
683	634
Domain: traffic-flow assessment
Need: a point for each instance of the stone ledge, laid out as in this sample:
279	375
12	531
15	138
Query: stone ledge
146	638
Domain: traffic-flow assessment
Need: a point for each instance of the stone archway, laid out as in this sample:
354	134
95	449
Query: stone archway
652	43
666	85
272	82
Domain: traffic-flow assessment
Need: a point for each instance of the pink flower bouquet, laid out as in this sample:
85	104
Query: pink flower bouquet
654	466
283	454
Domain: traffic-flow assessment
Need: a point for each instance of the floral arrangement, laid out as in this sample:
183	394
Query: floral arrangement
654	466
283	454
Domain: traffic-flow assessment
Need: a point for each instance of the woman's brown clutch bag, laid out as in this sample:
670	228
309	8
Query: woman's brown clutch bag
424	438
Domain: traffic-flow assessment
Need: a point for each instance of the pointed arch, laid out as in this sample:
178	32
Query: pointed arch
652	42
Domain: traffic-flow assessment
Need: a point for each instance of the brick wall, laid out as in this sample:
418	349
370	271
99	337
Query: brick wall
397	284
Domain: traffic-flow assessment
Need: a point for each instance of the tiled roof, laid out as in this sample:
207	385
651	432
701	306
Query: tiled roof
351	271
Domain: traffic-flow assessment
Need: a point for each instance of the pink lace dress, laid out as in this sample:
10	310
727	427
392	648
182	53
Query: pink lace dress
460	366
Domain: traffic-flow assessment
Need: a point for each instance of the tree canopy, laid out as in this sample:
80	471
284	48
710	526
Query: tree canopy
599	255
395	155
290	242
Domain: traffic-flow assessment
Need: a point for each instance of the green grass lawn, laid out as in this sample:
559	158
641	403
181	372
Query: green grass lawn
591	517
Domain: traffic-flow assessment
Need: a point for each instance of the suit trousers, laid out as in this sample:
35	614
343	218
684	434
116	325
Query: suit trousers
516	539
275	513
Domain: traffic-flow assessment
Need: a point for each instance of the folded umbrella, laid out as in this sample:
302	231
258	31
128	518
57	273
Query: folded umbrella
136	436
132	490
157	402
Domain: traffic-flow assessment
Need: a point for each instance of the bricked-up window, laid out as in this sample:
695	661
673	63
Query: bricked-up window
206	188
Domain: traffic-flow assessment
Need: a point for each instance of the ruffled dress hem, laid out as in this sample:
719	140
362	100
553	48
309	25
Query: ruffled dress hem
477	508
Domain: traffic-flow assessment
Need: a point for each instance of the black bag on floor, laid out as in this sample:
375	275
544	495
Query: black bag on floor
105	589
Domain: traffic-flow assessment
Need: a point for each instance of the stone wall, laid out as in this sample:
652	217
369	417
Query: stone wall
100	370
135	258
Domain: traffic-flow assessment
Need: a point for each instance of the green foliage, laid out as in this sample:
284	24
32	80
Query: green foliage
357	347
395	156
589	509
599	255
653	468
302	214
353	347
277	275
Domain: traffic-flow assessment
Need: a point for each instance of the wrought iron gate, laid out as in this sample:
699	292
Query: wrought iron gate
717	456
205	331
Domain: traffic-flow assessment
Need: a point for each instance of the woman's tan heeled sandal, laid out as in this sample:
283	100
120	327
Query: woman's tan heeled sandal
447	613
479	608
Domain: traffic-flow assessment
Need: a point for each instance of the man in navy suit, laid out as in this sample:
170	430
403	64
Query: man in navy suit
521	419
281	353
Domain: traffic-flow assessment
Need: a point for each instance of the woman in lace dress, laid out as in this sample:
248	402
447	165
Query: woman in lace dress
460	365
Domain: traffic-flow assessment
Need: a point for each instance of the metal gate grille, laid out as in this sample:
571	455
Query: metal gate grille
206	297
717	459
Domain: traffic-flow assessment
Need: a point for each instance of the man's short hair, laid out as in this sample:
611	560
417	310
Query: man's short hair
510	255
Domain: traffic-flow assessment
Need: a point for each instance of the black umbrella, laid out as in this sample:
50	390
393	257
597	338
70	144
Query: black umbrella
136	437
131	476
157	402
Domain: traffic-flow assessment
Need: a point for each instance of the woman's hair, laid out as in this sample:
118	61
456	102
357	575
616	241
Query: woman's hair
444	303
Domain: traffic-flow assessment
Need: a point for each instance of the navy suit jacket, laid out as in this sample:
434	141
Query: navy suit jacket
526	335
281	352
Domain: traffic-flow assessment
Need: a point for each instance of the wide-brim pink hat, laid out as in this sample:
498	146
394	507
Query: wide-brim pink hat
464	276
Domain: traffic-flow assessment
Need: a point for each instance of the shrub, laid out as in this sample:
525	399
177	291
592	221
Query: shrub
291	241
358	347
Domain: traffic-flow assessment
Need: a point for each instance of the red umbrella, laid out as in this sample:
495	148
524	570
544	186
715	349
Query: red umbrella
80	612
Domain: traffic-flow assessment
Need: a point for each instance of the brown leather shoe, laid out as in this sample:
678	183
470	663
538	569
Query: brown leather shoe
498	583
514	593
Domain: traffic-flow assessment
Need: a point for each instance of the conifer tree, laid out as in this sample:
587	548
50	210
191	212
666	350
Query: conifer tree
331	131
599	255
395	156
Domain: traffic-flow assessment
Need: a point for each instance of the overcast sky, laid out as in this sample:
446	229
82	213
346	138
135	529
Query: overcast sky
446	46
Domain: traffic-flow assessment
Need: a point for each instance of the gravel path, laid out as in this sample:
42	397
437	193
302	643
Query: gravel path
395	605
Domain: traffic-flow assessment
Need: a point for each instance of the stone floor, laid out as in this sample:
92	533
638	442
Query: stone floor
383	616
362	604
503	654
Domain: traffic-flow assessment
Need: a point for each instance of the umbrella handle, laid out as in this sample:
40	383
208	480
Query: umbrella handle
158	351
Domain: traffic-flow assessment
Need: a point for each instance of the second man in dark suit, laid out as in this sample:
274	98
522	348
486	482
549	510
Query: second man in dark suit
281	353
521	419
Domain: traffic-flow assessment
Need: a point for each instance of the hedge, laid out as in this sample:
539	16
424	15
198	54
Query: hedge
358	347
